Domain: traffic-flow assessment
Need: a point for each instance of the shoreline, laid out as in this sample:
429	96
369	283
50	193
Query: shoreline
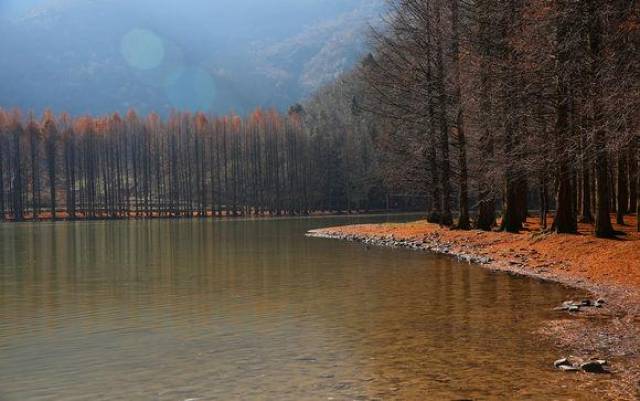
138	216
611	332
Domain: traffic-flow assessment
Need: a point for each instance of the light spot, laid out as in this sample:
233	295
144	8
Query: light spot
190	89
142	49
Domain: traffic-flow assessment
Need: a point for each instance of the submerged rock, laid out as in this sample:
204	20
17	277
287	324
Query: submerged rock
594	366
570	306
566	364
573	306
568	368
573	364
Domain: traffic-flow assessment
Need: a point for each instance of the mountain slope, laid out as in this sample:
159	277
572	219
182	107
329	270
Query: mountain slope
96	56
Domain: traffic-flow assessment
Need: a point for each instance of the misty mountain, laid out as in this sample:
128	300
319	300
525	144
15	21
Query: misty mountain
97	56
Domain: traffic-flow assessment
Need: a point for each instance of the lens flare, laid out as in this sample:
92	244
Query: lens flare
142	49
190	89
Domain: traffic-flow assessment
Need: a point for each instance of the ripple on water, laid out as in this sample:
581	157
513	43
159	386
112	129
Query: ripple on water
253	310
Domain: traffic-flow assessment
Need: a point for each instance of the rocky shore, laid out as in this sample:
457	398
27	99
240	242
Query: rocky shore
609	332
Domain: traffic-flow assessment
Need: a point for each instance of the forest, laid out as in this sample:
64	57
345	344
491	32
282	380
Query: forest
480	112
494	109
192	165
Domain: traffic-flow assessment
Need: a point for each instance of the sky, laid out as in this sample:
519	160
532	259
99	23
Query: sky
17	8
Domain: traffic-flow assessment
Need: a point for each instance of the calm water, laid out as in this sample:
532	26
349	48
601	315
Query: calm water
253	310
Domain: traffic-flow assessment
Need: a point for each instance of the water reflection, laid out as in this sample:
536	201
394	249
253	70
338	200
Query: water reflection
252	310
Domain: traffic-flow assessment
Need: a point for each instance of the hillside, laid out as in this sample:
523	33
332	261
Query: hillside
72	55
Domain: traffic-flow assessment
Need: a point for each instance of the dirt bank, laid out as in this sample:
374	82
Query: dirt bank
610	269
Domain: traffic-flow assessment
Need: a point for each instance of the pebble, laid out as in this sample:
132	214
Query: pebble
573	364
426	244
594	366
561	362
573	306
567	368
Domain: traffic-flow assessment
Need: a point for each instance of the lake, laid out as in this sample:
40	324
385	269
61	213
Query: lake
253	310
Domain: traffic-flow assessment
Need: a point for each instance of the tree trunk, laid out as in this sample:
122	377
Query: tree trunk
523	199
632	161
587	215
487	202
446	218
511	219
35	171
637	185
544	201
463	177
51	165
565	220
434	201
2	206
17	184
435	212
603	227
622	188
486	212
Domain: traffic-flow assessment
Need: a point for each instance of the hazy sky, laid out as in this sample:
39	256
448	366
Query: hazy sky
93	56
14	8
249	8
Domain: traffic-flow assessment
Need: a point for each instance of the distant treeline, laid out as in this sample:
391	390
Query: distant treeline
190	165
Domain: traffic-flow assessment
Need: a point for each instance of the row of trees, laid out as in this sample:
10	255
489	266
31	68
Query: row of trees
191	165
481	107
484	105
